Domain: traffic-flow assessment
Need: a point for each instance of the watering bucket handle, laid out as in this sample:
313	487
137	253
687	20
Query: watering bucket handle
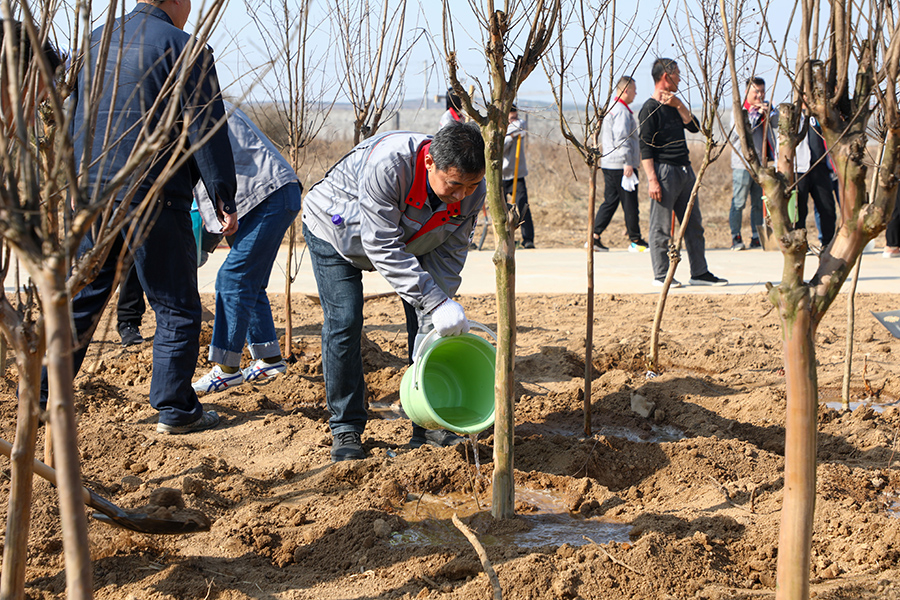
427	340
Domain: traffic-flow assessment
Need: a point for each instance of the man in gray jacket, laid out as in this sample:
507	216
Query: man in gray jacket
621	157
403	204
763	124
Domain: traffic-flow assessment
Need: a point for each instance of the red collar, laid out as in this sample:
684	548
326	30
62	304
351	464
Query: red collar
418	196
418	193
623	104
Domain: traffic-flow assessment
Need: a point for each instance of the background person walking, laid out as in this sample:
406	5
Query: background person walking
621	157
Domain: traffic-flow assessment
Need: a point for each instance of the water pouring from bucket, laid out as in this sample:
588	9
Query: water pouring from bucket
450	384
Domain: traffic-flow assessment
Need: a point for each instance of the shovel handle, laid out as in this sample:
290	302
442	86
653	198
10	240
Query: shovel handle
44	471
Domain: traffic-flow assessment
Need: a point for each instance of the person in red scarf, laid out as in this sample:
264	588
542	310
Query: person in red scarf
620	161
763	125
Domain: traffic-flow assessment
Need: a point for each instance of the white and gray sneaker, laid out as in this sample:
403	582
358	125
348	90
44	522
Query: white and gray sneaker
217	381
261	371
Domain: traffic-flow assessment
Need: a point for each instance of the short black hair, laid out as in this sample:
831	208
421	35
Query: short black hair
757	81
458	145
662	66
453	100
24	42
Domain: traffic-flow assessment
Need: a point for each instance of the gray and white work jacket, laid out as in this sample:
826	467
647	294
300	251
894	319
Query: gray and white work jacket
376	216
260	169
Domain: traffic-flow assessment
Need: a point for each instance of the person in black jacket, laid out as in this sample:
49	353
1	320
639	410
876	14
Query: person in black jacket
670	178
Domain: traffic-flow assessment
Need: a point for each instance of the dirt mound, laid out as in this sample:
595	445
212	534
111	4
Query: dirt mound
694	485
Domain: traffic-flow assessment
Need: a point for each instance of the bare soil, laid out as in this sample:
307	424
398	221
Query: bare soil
694	489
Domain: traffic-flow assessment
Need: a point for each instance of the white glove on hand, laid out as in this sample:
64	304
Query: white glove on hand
630	183
449	318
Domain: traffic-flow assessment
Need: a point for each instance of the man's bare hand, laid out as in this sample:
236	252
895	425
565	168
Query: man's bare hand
629	171
655	190
229	221
229	224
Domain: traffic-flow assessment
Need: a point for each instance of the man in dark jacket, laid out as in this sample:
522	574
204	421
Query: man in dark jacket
152	40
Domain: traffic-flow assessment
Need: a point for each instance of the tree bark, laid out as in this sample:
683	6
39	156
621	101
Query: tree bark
589	329
795	534
65	436
503	500
29	352
288	325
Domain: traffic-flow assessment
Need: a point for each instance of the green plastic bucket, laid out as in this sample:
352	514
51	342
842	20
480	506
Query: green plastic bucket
450	384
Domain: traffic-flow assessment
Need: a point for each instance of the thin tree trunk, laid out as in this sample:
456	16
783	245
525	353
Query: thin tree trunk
589	329
288	325
18	520
675	258
65	436
795	535
503	501
851	319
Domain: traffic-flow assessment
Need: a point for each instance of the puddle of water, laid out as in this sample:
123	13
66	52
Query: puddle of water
548	519
878	407
660	434
891	502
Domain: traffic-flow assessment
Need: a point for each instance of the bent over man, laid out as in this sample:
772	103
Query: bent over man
403	204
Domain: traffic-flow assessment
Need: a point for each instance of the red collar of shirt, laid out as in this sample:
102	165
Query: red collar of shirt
625	105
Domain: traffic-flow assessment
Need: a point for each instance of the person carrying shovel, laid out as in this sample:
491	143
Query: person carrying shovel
403	204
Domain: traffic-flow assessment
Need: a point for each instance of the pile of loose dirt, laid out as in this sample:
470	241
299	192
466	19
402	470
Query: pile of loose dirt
694	487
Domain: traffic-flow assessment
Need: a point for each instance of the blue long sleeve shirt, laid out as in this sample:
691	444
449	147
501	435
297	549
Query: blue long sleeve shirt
151	46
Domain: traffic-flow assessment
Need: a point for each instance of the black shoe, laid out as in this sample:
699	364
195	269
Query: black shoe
439	438
754	243
347	445
208	420
598	246
708	279
528	245
130	334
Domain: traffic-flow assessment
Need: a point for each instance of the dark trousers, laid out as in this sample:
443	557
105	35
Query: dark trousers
131	306
817	183
613	195
892	233
526	224
166	266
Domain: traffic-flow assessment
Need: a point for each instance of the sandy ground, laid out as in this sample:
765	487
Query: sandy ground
681	504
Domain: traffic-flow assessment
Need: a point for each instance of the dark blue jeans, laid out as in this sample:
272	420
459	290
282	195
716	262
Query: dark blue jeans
341	295
166	266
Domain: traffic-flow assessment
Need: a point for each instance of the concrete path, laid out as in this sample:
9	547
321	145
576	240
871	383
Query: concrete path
564	271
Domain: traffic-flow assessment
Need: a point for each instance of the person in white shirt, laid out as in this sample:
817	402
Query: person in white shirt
620	160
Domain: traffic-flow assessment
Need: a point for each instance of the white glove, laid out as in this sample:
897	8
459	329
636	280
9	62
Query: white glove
449	318
630	183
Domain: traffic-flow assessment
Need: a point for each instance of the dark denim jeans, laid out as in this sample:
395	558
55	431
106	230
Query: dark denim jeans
166	266
341	295
242	306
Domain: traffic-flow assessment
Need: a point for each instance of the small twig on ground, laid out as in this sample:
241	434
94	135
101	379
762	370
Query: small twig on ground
208	589
482	555
611	557
416	513
753	500
429	581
